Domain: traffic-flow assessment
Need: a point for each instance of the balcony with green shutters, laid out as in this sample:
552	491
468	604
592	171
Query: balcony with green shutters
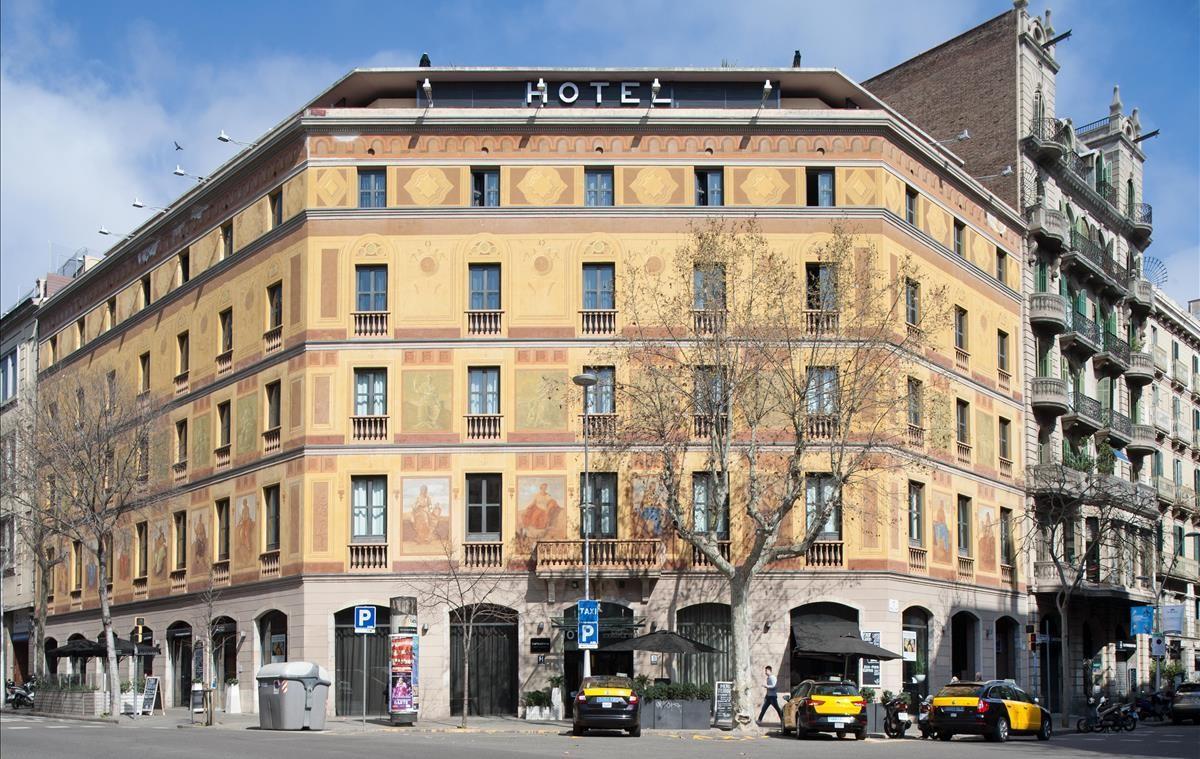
1082	336
1113	357
1083	416
1117	426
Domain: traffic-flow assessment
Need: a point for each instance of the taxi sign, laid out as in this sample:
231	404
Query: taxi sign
364	619
588	635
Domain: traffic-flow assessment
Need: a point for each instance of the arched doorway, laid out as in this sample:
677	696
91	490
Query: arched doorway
179	656
707	623
77	664
964	637
273	637
493	663
915	650
147	661
49	644
828	618
348	651
1006	648
224	653
1050	661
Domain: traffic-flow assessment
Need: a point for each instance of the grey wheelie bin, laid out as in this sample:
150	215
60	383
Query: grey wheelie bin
292	695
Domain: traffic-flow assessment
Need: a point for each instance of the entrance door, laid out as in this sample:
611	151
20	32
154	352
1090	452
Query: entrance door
493	671
616	623
348	664
181	661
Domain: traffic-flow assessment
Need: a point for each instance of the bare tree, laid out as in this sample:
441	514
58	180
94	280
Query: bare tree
1087	528
205	623
85	466
471	594
774	381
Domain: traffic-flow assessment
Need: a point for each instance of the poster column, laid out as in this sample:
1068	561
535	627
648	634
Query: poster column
403	662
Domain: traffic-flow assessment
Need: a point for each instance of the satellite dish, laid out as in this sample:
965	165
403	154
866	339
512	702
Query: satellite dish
1154	270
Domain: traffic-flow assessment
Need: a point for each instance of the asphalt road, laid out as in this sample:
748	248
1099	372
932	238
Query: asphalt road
50	739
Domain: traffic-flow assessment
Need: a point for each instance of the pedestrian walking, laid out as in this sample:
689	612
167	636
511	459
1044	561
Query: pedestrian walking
771	700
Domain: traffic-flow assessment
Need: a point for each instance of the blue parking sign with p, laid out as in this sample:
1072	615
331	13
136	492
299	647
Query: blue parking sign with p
364	619
588	634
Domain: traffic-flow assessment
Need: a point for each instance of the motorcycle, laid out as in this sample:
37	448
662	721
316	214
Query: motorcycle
19	695
1102	719
1127	717
1153	706
896	720
923	717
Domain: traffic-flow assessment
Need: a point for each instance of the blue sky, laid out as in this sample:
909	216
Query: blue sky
92	94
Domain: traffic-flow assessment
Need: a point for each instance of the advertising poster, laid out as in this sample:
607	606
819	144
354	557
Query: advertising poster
910	645
1141	620
1172	619
278	648
403	691
870	667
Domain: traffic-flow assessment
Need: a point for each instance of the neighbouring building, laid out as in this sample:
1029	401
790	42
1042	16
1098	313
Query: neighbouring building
349	328
1091	327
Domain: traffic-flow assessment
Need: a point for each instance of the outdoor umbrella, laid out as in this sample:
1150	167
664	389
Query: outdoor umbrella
663	642
830	637
80	648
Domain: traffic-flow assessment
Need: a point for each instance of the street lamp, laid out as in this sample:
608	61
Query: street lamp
586	381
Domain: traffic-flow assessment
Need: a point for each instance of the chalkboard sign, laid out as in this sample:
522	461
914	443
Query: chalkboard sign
723	704
150	695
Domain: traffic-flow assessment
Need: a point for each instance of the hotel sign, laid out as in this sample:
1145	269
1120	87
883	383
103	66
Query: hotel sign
622	93
599	93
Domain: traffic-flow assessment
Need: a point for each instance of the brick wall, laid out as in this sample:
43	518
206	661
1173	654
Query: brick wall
968	82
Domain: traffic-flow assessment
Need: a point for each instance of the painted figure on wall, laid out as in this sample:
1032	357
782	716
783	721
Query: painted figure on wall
160	551
538	400
124	556
245	526
941	536
649	512
541	515
426	401
987	539
200	544
425	515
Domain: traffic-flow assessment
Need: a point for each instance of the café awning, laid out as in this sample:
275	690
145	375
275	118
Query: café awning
829	636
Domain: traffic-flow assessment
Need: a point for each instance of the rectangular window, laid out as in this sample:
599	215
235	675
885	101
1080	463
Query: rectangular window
222	509
708	388
910	206
598	187
912	301
368	514
710	185
7	543
960	232
227	240
372	188
275	305
706	515
370	392
819	187
708	287
80	333
275	201
52	350
77	565
8	376
225	319
484	499
962	421
1002	350
823	506
598	287
185	267
182	353
143	549
485	188
915	405
1005	433
820	288
485	287
110	314
1006	537
144	372
224	423
271	518
1001	267
146	297
916	514
179	527
599	521
181	440
1177	531
272	398
483	390
371	288
821	390
964	526
601	396
960	328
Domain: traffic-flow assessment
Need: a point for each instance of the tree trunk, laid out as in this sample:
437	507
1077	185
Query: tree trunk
1065	666
466	673
38	654
740	614
114	676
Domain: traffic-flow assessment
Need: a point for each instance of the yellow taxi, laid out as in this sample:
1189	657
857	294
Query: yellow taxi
825	706
995	709
607	703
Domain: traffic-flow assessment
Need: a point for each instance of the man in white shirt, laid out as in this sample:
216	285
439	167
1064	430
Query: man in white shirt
771	700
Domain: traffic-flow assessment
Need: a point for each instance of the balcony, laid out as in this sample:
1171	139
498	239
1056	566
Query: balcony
1141	440
486	555
1008	575
1048	226
599	426
370	323
141	589
916	436
962	360
1117	426
825	554
1116	276
1057	482
962	453
273	339
1141	217
179	470
484	323
369	429
707	321
224	362
700	561
220	573
1141	368
820	323
1048	311
918	560
1049	395
1096	583
966	569
704	425
1181	376
1186	501
271	440
179	580
1178	567
368	557
1166	489
181	382
1046	139
221	456
608	557
1114	356
483	426
1084	414
1003	380
268	564
1006	467
820	426
1085	255
598	322
1162	361
1141	293
1181	436
1082	336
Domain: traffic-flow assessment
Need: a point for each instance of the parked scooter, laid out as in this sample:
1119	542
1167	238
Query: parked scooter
923	717
896	720
1127	717
17	696
1153	706
1102	718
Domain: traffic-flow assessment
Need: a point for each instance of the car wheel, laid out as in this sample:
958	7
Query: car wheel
635	732
861	735
1046	729
577	730
1000	732
841	734
800	731
945	735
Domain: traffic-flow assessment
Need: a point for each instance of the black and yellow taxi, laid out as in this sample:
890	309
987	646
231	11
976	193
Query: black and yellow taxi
826	706
995	709
607	703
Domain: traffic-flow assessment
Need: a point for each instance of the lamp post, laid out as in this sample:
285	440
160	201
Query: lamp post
586	381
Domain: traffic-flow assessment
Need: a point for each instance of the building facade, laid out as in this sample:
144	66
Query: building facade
350	329
1090	327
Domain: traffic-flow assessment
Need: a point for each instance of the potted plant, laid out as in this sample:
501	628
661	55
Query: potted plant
919	671
684	706
537	704
233	696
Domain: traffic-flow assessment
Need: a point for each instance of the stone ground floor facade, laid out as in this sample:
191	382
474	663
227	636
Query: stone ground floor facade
944	629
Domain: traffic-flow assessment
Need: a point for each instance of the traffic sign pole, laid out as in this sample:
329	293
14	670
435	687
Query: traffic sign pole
364	624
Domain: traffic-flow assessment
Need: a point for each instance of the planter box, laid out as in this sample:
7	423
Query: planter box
538	713
233	699
72	703
677	715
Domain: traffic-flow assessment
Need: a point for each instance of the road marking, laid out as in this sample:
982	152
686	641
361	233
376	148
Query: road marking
17	727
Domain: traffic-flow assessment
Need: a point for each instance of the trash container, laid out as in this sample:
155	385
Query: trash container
292	695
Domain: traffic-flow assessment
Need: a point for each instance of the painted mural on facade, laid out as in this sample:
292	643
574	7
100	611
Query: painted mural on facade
425	515
540	515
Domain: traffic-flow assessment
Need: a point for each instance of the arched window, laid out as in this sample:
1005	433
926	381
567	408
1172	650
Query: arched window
1039	109
707	623
1129	196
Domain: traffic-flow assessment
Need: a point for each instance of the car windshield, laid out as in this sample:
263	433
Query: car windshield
834	689
962	690
1188	688
608	682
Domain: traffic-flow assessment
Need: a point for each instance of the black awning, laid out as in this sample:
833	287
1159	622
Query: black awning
833	637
